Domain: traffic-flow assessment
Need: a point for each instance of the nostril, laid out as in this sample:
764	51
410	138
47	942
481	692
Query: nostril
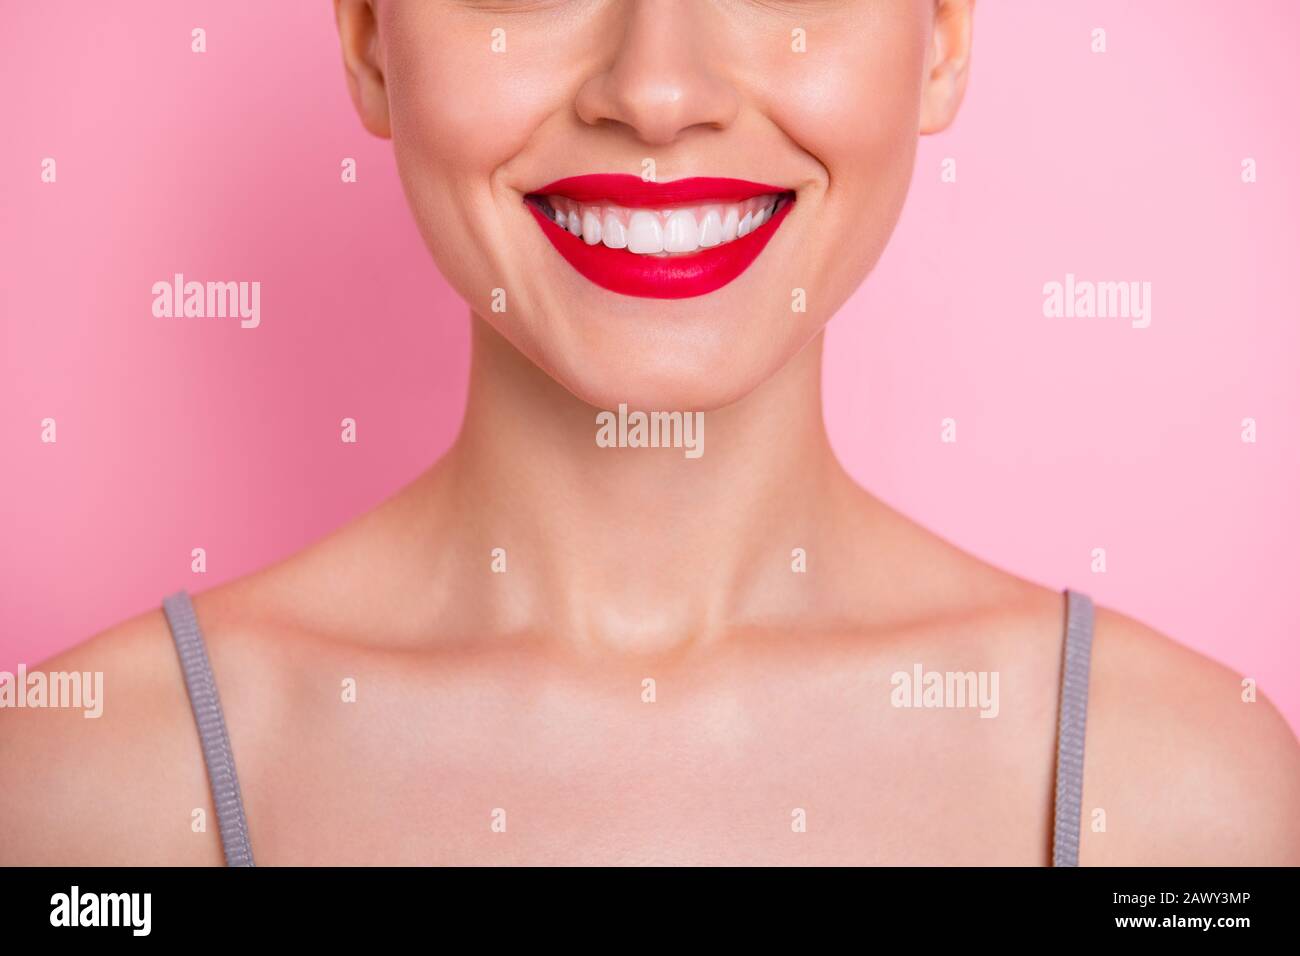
658	99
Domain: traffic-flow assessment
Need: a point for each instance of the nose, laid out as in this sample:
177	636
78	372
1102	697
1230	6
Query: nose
661	80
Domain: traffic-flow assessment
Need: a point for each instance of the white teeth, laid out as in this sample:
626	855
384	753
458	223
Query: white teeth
731	224
711	229
644	233
675	230
615	235
590	227
682	233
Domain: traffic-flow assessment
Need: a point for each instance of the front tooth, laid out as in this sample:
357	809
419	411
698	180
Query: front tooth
682	233
730	224
575	224
644	233
746	225
613	233
710	230
590	227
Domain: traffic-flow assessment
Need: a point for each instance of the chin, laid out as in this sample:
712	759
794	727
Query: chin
663	380
664	363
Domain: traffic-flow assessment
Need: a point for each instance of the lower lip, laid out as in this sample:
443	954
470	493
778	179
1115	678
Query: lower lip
660	277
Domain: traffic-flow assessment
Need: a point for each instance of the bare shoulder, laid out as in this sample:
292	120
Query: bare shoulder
110	788
1186	762
129	785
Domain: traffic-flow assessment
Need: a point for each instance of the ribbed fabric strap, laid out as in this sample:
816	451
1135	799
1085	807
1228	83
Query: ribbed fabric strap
1071	728
215	740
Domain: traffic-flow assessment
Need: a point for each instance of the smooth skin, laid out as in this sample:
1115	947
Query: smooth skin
525	691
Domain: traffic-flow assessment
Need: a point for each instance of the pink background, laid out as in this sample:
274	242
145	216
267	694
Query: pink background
1072	433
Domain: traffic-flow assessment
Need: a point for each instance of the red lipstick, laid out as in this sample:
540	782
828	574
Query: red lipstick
671	276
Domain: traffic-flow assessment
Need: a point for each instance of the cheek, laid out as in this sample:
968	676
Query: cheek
851	112
458	112
856	92
450	135
853	104
462	128
461	105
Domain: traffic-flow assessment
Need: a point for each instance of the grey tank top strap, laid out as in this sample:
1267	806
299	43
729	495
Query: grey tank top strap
217	755
1072	723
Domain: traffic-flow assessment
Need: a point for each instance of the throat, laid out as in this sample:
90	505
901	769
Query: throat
620	530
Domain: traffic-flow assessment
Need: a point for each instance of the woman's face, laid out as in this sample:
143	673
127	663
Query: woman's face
672	295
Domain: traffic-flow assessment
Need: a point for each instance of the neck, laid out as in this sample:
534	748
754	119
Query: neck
642	549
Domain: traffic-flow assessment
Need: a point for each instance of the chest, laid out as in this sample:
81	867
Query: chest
478	769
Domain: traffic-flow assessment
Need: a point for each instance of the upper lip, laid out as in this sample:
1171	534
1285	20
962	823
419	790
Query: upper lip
623	190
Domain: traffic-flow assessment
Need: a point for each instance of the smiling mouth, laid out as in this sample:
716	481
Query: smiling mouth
668	240
673	230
